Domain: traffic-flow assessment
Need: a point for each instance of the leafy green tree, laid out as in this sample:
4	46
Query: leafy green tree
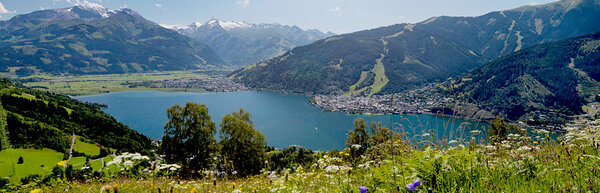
380	134
358	139
189	137
242	146
497	131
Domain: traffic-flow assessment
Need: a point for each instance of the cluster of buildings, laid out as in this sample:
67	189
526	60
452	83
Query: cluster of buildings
215	83
416	101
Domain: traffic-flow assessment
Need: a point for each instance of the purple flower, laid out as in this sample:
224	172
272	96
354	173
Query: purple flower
363	189
412	186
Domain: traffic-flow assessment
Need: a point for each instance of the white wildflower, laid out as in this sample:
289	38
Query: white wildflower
524	148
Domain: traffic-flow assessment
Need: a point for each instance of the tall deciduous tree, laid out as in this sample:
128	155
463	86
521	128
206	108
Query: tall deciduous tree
189	137
358	139
242	145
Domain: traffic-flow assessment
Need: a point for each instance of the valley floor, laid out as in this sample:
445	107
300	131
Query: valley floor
177	81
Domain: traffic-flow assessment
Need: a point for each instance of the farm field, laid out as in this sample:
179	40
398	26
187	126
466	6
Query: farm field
34	162
95	84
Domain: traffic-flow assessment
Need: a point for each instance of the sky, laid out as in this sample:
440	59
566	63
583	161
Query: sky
338	16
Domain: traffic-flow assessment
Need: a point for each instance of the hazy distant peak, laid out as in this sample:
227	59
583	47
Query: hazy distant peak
174	26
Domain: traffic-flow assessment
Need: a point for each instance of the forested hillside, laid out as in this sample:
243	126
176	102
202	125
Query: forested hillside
36	119
557	77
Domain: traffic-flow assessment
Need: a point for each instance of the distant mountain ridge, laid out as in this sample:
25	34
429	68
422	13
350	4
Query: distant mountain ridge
559	76
242	43
394	58
87	39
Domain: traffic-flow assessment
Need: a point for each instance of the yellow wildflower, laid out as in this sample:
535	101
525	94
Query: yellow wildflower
535	142
347	154
193	190
61	163
36	191
492	167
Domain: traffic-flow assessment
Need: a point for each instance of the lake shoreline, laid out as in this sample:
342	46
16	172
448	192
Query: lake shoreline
284	119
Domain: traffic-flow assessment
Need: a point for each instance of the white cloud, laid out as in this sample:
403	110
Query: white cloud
336	10
3	10
242	3
533	3
158	5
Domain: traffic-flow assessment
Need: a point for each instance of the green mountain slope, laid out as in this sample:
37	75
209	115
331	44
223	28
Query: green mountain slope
555	77
83	40
412	54
44	120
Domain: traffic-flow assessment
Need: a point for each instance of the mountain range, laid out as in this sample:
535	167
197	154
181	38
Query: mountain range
242	43
89	39
556	77
397	57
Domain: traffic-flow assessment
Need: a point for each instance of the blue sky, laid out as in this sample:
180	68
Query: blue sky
339	16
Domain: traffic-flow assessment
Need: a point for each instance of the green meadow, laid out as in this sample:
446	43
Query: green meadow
34	162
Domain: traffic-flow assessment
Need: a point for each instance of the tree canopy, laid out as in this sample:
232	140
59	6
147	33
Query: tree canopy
242	146
189	136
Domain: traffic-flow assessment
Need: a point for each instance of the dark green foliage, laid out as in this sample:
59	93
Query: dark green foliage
58	172
44	122
424	52
556	77
242	146
289	158
499	130
24	72
20	161
125	42
189	137
69	172
358	138
3	183
30	178
26	133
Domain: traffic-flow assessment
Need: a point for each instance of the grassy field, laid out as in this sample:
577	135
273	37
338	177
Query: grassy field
379	80
95	84
87	148
34	162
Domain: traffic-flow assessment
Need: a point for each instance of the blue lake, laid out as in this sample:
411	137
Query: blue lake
284	119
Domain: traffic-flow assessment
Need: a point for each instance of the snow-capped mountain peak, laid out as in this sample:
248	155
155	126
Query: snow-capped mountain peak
227	25
94	7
